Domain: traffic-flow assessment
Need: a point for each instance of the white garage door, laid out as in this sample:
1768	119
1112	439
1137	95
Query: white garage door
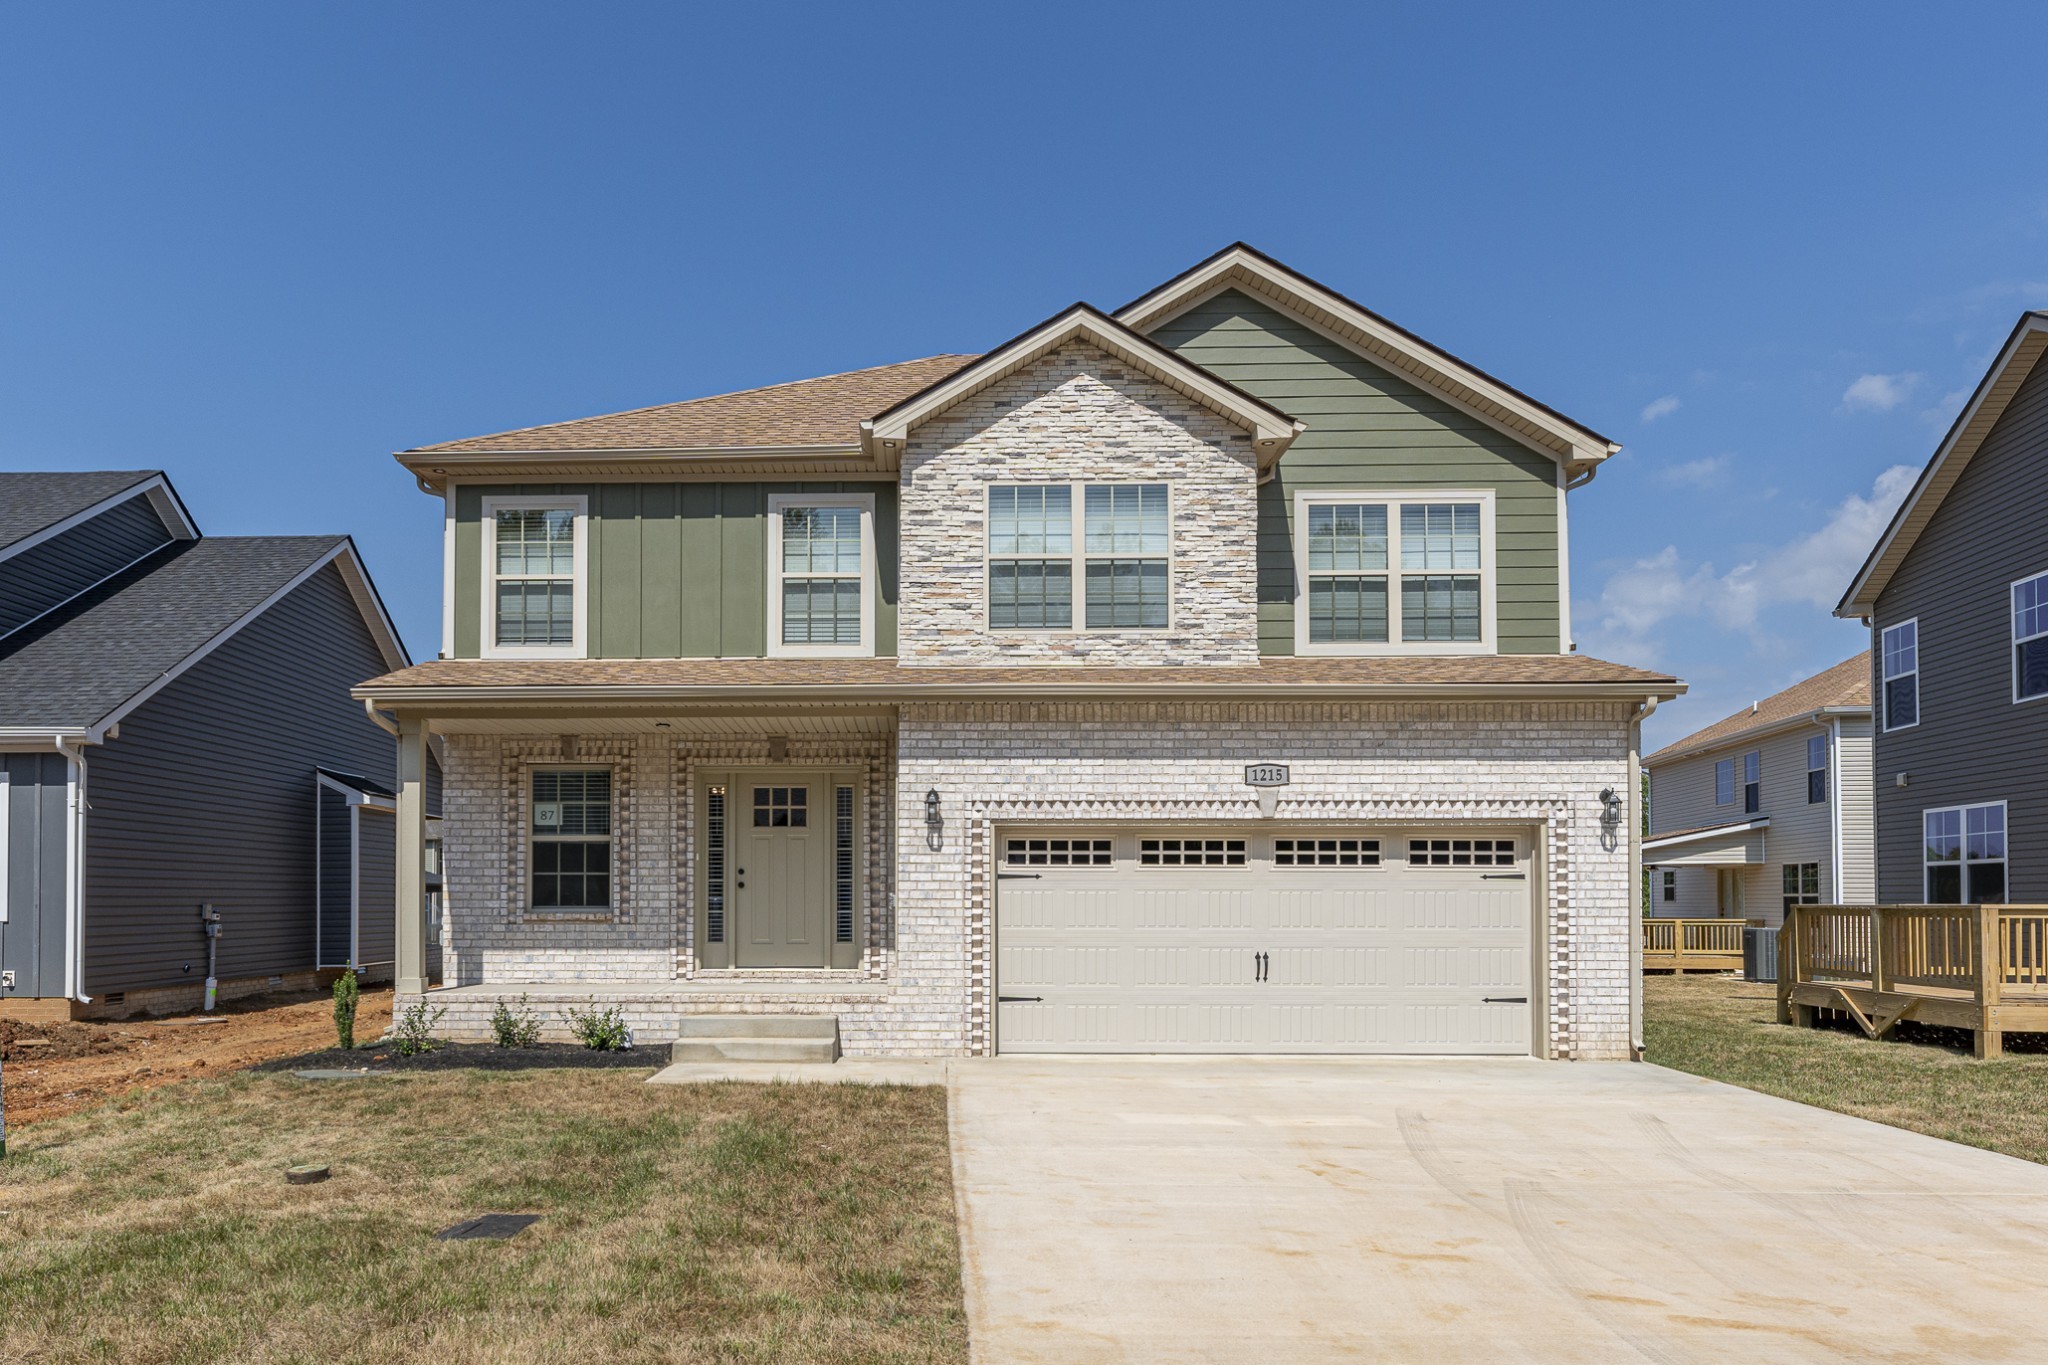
1363	940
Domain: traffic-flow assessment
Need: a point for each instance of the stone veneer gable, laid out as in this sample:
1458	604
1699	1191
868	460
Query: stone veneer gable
1078	413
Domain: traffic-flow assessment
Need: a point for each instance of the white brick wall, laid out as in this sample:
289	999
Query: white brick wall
1538	765
1078	413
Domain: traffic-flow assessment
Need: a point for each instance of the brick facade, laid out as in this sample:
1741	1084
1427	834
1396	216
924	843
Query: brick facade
1075	414
925	983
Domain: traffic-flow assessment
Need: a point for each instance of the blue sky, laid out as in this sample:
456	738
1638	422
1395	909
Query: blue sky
1769	248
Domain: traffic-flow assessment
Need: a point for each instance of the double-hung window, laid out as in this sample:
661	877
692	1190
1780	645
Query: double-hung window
1899	648
533	577
1816	769
1964	854
821	568
2030	638
1111	538
1801	885
1670	885
571	822
1383	573
1724	782
1752	782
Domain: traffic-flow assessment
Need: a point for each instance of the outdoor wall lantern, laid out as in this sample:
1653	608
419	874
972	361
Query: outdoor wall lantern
931	806
1611	799
934	824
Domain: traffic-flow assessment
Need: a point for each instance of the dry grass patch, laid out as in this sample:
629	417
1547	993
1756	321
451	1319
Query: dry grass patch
1924	1079
714	1223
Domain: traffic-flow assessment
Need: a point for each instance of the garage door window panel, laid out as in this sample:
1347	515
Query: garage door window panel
1461	852
1326	852
1191	853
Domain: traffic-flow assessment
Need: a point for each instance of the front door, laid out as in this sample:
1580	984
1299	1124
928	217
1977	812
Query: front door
782	871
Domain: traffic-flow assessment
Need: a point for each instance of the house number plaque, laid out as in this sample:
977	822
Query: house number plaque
1265	775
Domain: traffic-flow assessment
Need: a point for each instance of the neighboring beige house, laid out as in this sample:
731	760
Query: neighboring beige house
1193	678
1769	807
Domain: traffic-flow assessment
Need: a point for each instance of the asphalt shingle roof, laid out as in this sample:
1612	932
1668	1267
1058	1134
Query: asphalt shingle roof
79	664
1846	684
30	502
807	412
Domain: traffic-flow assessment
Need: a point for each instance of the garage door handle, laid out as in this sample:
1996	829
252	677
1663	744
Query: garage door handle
1505	1000
1504	877
1020	999
1017	876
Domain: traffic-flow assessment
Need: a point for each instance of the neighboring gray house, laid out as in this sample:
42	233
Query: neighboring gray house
1197	678
175	731
1768	807
1956	598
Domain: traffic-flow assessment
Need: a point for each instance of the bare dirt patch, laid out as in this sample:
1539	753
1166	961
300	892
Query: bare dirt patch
54	1069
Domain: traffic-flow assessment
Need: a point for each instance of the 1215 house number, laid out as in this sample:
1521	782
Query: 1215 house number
1265	774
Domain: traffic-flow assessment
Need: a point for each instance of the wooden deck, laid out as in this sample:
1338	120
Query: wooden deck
1977	967
1692	945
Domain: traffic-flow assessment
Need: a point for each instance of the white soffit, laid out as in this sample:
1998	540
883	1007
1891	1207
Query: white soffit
1241	267
1272	430
1994	392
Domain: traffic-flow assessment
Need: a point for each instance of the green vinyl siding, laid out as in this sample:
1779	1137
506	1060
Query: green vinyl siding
677	570
1370	429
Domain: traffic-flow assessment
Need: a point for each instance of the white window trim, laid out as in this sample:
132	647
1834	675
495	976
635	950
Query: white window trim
5	819
533	841
1489	580
1826	768
2004	823
2012	626
1734	786
487	627
779	503
1078	556
1884	708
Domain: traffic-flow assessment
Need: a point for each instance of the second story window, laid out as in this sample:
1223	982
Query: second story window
1113	539
1899	650
821	566
533	577
1724	782
1816	770
1752	783
2030	638
1394	573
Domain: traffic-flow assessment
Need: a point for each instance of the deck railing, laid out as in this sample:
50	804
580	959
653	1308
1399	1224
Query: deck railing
1982	967
1692	945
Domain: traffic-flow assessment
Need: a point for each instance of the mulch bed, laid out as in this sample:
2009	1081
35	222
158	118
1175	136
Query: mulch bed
473	1057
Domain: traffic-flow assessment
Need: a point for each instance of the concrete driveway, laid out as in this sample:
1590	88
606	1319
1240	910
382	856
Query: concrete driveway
1269	1210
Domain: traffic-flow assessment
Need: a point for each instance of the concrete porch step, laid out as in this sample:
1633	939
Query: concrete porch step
787	1038
758	1026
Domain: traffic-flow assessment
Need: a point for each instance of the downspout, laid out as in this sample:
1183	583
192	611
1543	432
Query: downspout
379	719
1835	865
74	910
1635	877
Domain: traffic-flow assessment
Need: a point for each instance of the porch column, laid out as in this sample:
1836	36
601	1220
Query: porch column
412	857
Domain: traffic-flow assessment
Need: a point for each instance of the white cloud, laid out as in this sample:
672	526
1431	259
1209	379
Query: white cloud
1704	473
1812	570
1879	392
1662	407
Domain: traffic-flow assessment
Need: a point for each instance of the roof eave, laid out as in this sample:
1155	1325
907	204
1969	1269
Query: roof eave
1685	748
433	468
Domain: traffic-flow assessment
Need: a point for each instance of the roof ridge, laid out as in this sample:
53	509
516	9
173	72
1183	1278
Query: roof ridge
701	398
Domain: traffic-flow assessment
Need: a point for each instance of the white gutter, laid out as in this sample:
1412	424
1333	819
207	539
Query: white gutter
1756	732
1835	810
761	694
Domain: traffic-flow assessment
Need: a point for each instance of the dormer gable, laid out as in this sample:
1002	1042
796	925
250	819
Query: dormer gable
62	534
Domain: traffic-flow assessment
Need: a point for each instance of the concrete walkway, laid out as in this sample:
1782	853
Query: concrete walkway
1266	1210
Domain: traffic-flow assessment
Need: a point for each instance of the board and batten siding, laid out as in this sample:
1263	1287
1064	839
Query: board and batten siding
1973	744
52	573
33	801
208	796
1370	429
1682	797
677	570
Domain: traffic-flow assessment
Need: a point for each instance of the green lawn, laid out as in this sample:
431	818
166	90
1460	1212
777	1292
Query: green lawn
1922	1079
715	1223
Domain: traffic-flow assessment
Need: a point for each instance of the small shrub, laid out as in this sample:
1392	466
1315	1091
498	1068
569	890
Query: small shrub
515	1028
345	993
600	1030
414	1031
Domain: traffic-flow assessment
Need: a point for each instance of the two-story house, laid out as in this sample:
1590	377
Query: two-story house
1196	677
176	732
1768	807
1956	597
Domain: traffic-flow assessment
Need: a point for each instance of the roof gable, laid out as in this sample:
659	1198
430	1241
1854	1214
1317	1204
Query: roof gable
34	507
1272	430
1973	425
1843	688
1243	267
